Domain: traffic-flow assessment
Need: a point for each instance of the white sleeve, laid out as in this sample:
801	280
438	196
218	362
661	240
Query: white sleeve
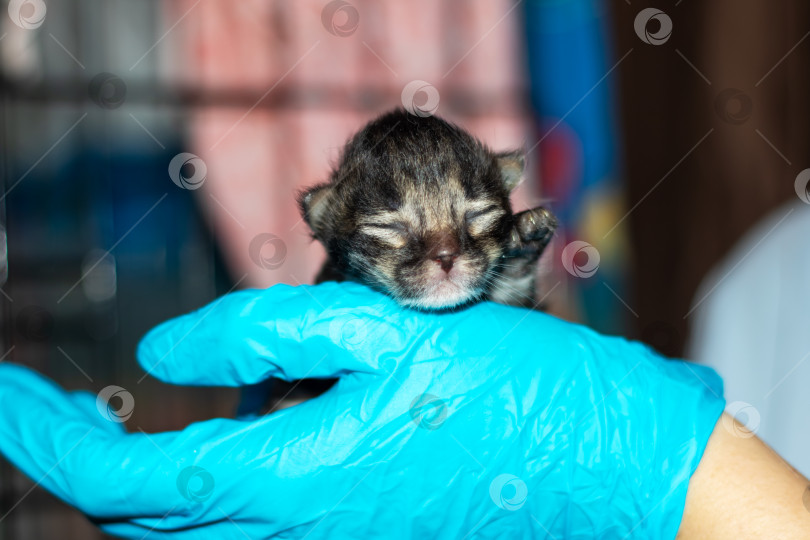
751	322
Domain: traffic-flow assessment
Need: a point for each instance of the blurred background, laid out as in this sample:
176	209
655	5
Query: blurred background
151	153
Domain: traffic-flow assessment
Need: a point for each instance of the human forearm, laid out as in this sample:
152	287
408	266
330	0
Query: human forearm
742	489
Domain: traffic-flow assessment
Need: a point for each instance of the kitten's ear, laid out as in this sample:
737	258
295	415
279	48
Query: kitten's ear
511	165
314	204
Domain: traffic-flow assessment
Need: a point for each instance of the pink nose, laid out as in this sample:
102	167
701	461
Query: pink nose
445	250
446	262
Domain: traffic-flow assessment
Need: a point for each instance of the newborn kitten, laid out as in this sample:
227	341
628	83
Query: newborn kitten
419	209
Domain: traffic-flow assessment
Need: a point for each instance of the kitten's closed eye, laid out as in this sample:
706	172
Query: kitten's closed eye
481	220
393	234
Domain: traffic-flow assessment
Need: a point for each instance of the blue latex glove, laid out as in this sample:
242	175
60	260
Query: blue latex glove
492	422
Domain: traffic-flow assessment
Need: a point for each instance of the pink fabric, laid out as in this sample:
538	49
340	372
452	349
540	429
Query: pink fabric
320	88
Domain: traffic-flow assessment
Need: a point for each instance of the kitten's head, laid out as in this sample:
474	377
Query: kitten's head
417	208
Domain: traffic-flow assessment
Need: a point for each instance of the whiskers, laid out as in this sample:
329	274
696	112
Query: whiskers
501	291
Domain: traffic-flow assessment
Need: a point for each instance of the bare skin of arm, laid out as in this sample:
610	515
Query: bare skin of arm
742	489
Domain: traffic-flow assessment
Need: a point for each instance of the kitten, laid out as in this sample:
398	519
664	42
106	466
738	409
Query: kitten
419	209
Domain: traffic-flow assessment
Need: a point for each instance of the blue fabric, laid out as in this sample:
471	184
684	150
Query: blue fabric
490	422
569	57
573	73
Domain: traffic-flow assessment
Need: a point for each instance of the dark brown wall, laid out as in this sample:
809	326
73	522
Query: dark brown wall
708	198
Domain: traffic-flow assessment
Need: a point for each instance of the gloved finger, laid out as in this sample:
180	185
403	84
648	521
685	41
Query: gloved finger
286	332
63	442
147	480
96	409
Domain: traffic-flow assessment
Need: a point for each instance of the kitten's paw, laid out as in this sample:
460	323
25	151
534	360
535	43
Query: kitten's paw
531	233
535	226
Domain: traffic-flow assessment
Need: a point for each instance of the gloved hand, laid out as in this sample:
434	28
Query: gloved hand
491	422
